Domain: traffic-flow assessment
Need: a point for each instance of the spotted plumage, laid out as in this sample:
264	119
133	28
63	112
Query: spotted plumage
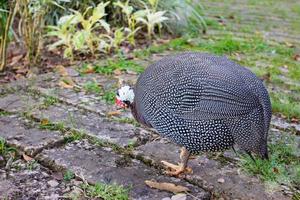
204	103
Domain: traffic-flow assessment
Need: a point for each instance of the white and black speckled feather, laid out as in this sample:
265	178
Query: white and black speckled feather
205	103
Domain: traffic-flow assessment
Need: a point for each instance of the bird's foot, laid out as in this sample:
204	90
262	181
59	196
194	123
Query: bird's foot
176	170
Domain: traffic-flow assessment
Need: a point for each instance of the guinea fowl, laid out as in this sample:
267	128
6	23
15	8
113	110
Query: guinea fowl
201	102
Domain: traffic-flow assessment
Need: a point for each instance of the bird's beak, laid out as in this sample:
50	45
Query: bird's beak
120	104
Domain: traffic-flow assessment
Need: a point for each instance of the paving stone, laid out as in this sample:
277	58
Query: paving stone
18	103
282	124
207	173
30	140
119	133
102	165
27	183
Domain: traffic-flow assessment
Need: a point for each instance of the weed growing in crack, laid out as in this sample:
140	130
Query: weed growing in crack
53	126
68	175
109	97
73	136
49	101
92	87
5	151
31	165
4	113
106	191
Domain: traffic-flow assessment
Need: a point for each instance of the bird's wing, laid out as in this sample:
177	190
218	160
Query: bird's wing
214	99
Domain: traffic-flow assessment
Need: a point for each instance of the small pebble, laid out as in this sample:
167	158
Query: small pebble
221	180
53	183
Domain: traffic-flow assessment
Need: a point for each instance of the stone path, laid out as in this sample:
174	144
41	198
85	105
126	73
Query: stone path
78	135
66	130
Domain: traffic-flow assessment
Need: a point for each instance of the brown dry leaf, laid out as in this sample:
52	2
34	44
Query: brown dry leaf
297	57
27	158
61	70
44	121
294	120
290	45
15	59
113	113
65	85
19	76
171	187
275	170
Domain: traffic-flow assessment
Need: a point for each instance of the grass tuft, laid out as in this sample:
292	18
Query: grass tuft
283	166
68	175
106	191
92	87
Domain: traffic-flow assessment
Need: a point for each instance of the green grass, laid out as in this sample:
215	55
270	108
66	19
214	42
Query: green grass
68	175
283	166
120	64
106	191
109	97
6	151
285	104
53	126
49	100
4	113
92	87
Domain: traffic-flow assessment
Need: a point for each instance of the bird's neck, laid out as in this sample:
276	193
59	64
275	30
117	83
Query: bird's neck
138	115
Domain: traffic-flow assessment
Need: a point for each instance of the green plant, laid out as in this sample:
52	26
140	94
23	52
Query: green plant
283	165
31	165
3	113
83	39
6	151
185	16
105	191
131	18
49	100
109	97
69	175
92	87
151	19
121	64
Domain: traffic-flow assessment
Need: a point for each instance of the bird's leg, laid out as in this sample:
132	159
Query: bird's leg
175	170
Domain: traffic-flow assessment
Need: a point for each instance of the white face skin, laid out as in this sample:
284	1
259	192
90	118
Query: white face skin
125	93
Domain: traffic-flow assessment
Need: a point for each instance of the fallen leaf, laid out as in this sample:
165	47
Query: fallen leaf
294	120
290	45
16	59
65	85
171	187
27	158
275	170
44	121
296	57
113	113
61	70
89	69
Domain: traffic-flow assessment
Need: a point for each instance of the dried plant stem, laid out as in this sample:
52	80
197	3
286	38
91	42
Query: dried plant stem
4	39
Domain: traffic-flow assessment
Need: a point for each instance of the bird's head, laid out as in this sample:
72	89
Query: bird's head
124	96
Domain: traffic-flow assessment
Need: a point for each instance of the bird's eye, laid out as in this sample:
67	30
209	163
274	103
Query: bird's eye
117	93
